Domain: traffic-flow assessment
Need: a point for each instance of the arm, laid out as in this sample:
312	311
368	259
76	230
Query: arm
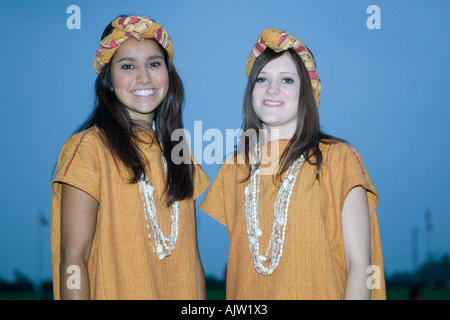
78	221
356	234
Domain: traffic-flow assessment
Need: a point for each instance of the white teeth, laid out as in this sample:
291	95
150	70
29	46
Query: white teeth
144	93
271	103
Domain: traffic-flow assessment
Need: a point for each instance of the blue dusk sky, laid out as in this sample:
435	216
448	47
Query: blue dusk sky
384	90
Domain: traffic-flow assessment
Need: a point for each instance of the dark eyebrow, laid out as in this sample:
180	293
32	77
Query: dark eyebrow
126	59
282	72
155	56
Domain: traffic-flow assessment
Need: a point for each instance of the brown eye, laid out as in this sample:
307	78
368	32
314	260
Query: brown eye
154	64
127	67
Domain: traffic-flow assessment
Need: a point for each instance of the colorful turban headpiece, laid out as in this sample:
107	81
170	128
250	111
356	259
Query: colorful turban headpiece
279	40
138	27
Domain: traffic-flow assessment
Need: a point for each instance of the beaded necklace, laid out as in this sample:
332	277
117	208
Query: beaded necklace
279	222
161	245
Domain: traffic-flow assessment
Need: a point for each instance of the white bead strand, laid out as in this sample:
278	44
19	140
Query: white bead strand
279	222
161	245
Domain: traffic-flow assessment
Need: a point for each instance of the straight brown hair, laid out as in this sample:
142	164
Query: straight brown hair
308	134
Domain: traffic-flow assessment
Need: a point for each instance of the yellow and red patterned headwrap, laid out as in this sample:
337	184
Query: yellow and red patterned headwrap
279	40
138	27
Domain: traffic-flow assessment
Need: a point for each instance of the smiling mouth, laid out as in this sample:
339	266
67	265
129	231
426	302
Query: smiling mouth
269	103
143	93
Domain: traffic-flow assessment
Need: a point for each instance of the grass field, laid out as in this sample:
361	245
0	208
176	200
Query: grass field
396	293
402	293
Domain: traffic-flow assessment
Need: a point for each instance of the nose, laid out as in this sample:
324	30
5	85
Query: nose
273	88
143	76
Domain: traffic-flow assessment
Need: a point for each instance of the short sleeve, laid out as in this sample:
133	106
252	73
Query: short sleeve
348	171
79	165
214	203
201	181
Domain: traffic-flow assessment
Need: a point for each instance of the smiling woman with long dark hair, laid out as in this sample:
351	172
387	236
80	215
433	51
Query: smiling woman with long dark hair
123	212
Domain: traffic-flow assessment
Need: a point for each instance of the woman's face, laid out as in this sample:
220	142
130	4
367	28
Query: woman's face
139	77
276	95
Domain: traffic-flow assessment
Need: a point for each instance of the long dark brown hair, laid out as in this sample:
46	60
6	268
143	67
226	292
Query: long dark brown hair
308	134
112	118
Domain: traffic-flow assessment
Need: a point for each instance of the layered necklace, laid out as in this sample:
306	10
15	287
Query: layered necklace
161	245
281	206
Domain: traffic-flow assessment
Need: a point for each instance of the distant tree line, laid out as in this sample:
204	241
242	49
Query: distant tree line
22	283
432	273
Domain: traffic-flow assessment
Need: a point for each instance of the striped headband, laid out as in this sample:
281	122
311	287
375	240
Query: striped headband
138	27
279	40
